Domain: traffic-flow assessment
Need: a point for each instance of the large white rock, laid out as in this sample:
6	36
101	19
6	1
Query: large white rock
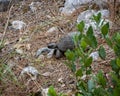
86	16
70	6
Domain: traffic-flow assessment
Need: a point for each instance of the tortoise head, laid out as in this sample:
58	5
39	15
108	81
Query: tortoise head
52	45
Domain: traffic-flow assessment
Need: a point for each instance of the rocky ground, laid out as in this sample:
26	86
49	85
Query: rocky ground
21	46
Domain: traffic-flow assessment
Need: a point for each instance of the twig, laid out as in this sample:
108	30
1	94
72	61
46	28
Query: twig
5	29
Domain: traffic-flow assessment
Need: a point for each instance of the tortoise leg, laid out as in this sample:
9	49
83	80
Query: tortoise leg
58	54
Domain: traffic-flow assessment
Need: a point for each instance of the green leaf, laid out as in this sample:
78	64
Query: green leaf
91	85
116	91
79	94
91	41
105	29
114	66
109	41
116	50
97	18
94	42
79	73
70	55
101	79
81	26
118	61
102	52
117	38
88	62
90	32
51	91
83	43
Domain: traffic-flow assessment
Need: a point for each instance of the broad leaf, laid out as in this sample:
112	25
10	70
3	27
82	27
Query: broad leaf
88	62
109	41
90	32
114	66
117	38
91	41
102	52
51	91
97	18
105	29
116	50
118	61
70	55
101	79
81	26
94	42
91	85
79	73
83	44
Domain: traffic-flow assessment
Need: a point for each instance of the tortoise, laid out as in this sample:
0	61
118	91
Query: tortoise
63	45
59	48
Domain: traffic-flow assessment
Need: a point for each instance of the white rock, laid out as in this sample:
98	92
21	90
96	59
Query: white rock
19	51
87	15
34	6
83	77
105	13
60	80
94	55
18	24
70	6
30	70
52	30
45	92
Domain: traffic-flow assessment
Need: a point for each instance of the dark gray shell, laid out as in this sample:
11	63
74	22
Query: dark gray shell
66	43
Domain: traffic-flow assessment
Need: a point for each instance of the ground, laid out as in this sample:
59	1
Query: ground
29	40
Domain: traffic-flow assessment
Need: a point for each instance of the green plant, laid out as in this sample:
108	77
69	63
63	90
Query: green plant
95	85
88	83
52	92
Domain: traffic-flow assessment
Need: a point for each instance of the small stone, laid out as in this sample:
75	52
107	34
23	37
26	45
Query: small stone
94	55
34	6
18	25
45	92
83	77
30	70
53	30
19	51
63	85
60	80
